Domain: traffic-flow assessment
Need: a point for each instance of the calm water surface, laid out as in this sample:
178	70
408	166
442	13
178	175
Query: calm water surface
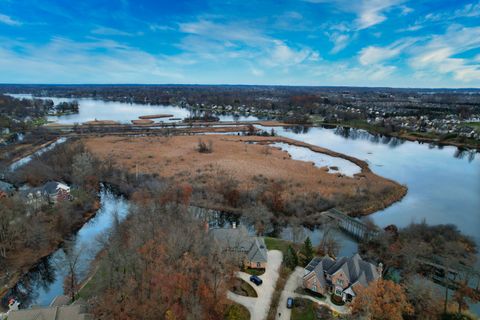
443	183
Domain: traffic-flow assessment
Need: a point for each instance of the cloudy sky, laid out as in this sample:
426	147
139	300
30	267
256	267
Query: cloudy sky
400	43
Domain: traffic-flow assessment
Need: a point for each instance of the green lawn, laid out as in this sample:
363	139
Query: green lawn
473	124
90	287
237	312
277	244
255	272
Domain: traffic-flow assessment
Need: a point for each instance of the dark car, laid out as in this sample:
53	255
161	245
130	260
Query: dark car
289	303
256	280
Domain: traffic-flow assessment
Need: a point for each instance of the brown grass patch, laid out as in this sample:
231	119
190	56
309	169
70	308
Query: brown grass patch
178	157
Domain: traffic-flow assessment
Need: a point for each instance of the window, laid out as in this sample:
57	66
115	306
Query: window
340	282
338	291
259	265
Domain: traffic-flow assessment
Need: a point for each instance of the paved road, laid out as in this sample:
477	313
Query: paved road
259	306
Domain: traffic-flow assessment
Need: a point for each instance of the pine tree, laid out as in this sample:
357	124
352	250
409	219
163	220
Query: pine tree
291	259
307	251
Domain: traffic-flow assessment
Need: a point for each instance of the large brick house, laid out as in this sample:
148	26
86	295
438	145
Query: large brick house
51	192
250	250
342	277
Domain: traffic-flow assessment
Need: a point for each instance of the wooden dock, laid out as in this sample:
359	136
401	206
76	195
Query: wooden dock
354	227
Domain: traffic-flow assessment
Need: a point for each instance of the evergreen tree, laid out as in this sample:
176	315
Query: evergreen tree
291	259
307	251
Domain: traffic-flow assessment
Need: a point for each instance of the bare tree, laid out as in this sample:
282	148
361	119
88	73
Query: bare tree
71	262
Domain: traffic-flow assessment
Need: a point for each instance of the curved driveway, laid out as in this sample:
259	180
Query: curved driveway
259	306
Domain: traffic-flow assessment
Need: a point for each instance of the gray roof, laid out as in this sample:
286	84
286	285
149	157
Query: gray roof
51	186
356	269
258	251
238	239
6	187
47	189
72	312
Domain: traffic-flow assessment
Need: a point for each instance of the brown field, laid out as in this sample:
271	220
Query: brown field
177	157
142	121
156	116
98	122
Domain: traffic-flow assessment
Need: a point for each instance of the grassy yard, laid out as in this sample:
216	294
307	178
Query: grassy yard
277	244
255	272
475	125
90	286
237	312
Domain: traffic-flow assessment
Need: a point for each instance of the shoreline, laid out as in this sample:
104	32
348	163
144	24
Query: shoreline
19	274
275	123
230	156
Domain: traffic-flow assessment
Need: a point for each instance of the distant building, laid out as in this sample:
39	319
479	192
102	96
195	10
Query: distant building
251	250
342	277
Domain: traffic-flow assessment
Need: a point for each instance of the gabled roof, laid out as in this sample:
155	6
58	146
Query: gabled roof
258	251
238	239
53	186
355	268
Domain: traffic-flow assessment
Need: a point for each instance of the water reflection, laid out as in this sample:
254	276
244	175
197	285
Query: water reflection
29	287
45	281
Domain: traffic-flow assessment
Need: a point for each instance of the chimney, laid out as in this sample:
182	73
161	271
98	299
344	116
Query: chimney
206	226
234	225
380	268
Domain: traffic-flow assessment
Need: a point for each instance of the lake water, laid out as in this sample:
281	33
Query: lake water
443	183
319	159
91	109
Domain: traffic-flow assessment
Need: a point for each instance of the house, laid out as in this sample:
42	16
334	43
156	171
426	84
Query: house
71	312
50	193
251	250
59	309
6	189
342	277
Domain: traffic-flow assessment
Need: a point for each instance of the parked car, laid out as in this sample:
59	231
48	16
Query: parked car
289	303
256	280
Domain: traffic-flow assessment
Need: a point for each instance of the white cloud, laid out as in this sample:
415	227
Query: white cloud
439	54
223	31
340	41
281	54
224	41
368	12
105	31
374	54
66	61
9	21
372	12
257	72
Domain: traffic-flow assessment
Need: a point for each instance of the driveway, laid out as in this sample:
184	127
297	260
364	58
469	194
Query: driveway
259	306
293	282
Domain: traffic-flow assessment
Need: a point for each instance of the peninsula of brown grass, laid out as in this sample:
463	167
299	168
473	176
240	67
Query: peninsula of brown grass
177	157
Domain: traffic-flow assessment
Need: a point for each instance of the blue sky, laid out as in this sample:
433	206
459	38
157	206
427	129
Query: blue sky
396	43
